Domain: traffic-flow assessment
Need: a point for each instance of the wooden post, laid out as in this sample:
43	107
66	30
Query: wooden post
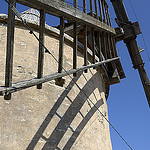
96	10
93	45
99	46
60	81
10	48
85	46
61	44
100	10
41	48
75	46
76	3
91	7
103	9
84	6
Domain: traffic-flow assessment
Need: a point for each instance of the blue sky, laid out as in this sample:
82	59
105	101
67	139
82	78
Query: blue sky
128	108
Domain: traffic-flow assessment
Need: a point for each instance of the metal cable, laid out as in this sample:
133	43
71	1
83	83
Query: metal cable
47	51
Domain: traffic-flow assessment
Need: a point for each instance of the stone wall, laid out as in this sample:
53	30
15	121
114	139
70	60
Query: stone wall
53	118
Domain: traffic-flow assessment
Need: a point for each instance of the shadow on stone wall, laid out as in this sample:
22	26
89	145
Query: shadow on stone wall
57	134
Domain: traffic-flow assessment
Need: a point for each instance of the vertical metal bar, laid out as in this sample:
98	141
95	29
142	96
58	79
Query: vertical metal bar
100	10
93	45
103	9
41	48
91	7
84	6
10	48
75	46
96	10
85	47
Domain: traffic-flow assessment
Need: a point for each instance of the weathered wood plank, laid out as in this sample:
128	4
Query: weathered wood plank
75	46
59	8
84	6
85	47
93	45
41	48
100	9
32	82
96	10
103	9
61	44
10	48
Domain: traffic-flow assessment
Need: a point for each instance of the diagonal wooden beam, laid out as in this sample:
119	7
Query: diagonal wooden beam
32	82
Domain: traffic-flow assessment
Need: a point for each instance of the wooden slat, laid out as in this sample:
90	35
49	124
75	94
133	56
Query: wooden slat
84	6
32	82
93	45
10	48
41	48
61	44
85	47
76	3
59	8
91	7
100	9
75	46
103	9
99	46
96	10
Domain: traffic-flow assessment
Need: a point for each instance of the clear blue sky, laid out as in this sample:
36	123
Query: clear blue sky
128	108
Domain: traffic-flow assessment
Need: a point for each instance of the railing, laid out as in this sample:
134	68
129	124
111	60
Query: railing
96	34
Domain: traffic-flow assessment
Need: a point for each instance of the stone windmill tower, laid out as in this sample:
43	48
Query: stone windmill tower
56	79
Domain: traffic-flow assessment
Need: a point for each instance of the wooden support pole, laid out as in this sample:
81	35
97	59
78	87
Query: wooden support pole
41	48
103	40
10	48
84	6
100	9
61	47
93	45
61	43
76	3
103	9
107	16
75	46
85	47
32	82
96	10
100	46
91	7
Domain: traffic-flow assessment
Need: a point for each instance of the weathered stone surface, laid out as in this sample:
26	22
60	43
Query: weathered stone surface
54	117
